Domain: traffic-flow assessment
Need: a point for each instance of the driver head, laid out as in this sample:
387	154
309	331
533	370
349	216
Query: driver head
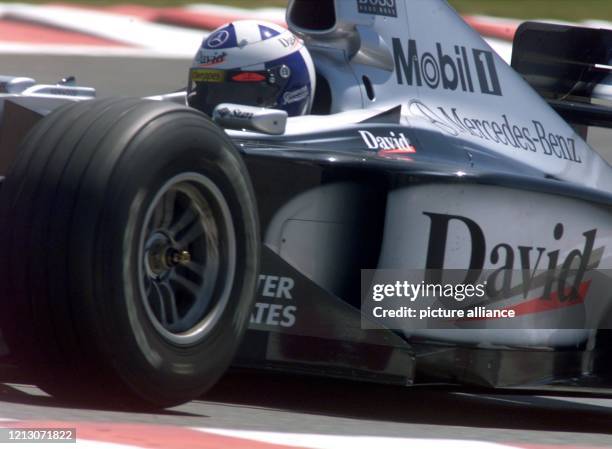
253	63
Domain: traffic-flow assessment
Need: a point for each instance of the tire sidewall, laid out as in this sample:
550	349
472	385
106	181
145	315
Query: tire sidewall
144	358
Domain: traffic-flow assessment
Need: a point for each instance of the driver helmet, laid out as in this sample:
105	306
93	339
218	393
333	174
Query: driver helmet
253	63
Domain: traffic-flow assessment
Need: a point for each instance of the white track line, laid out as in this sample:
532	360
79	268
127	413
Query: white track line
91	51
316	441
117	27
598	24
80	444
275	14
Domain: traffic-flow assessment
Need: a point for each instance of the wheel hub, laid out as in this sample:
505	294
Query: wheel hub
162	254
187	256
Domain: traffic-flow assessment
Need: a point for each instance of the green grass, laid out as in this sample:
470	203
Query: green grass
523	9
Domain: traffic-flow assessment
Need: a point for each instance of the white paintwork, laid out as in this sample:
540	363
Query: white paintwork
516	218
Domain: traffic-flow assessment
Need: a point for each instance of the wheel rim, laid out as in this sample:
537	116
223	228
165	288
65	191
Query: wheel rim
187	258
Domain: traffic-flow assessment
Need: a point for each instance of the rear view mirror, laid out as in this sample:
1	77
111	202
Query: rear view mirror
240	117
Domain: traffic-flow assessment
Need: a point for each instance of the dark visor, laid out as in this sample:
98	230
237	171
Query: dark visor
210	87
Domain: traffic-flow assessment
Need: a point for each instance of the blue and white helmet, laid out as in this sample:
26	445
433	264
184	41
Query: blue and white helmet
253	63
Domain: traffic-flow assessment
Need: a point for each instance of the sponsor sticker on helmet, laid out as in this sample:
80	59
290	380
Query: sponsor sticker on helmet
249	77
295	95
207	76
205	59
218	39
290	41
284	71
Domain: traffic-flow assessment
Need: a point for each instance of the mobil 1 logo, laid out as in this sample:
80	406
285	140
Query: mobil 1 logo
386	8
469	70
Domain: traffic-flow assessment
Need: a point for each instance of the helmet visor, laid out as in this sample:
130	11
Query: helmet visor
209	87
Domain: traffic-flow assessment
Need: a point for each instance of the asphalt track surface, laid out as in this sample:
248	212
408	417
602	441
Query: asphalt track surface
255	401
111	76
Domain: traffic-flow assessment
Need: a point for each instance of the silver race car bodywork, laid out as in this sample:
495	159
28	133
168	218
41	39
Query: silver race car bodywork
424	150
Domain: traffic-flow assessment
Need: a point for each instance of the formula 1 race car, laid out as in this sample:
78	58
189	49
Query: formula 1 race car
143	240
